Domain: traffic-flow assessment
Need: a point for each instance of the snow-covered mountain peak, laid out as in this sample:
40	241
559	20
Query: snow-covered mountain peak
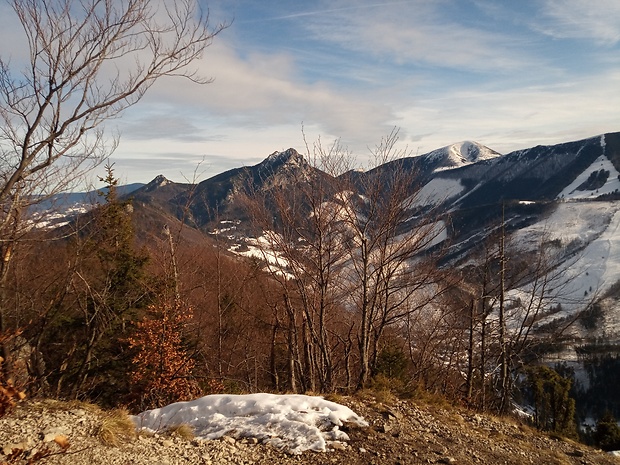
461	153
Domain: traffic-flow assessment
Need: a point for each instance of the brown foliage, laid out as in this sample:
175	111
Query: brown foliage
9	394
162	371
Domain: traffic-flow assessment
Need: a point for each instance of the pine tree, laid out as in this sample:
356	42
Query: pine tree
554	408
607	434
108	287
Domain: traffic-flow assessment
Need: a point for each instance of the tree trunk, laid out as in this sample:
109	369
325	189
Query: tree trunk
470	353
293	356
273	366
504	371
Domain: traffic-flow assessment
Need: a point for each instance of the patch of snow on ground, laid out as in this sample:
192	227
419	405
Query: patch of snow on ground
612	184
292	422
598	266
262	248
438	190
576	223
438	234
590	229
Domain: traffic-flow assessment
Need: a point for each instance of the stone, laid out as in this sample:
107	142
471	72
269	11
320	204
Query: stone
9	448
386	427
50	433
229	439
447	460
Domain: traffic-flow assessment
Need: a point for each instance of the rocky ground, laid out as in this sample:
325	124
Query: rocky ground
400	432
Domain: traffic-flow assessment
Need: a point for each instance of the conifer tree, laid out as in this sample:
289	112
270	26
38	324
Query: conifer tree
607	434
554	408
108	287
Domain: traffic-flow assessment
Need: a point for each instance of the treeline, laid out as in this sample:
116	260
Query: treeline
92	311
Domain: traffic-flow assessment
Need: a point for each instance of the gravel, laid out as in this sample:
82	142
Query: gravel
402	432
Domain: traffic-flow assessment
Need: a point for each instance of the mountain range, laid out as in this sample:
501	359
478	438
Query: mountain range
569	192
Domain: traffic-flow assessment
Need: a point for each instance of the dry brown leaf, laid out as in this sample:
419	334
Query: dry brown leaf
62	441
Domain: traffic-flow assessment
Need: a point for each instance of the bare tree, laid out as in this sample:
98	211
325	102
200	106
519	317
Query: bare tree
356	245
303	252
389	232
535	282
88	61
512	289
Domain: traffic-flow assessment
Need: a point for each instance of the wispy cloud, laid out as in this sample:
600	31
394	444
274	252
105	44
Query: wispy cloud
163	126
327	11
582	19
520	117
259	90
501	73
419	33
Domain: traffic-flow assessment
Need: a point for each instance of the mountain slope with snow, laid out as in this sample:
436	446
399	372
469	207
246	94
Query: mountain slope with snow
571	190
460	154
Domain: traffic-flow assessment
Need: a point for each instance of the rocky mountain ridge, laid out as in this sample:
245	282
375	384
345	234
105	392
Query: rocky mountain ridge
473	184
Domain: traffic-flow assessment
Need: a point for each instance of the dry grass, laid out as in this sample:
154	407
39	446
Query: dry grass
431	399
116	428
374	396
558	458
182	431
334	397
52	404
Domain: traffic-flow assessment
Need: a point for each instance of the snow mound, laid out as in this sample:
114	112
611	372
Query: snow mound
292	422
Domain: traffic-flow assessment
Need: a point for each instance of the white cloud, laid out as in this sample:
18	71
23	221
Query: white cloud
443	71
261	90
151	126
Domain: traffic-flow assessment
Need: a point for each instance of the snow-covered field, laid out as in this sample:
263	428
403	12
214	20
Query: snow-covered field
438	190
292	422
589	230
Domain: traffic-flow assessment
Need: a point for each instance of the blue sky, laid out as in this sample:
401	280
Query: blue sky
507	74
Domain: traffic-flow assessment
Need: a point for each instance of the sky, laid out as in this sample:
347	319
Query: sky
506	74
